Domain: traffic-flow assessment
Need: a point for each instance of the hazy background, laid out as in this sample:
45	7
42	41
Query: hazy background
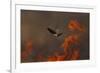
34	26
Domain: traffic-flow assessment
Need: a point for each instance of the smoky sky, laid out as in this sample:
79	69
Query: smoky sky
34	25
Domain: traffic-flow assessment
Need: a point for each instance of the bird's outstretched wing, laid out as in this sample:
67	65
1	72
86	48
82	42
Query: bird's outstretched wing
51	31
59	34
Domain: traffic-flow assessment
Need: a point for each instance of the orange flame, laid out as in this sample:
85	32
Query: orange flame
69	41
27	51
29	46
75	55
52	58
75	25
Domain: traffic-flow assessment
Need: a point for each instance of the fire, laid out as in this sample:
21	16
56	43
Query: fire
56	58
52	58
24	55
70	46
29	46
75	25
69	41
27	51
61	58
76	54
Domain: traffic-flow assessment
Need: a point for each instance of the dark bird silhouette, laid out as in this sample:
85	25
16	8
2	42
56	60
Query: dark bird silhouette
55	33
59	34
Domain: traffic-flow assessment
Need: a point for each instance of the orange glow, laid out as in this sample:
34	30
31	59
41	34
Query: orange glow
24	55
69	52
69	41
27	51
29	46
52	58
75	25
61	58
75	55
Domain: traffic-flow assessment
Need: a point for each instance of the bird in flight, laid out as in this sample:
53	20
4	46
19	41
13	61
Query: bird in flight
55	33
